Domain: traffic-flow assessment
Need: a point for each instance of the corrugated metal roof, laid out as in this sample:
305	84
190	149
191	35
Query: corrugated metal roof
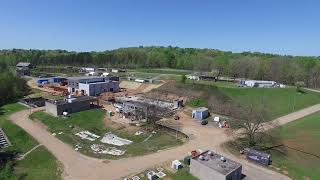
23	64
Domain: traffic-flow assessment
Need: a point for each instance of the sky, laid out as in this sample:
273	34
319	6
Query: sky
289	27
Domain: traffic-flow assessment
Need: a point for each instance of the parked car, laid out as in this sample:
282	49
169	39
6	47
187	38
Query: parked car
204	122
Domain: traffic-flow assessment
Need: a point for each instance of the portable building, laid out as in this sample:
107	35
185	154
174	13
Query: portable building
151	175
259	157
176	164
200	113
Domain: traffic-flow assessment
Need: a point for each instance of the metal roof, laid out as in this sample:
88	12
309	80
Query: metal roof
23	64
84	77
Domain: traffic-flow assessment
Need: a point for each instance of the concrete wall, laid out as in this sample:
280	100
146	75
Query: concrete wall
51	109
203	172
235	175
73	107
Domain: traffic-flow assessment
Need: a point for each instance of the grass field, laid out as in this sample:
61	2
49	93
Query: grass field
31	167
93	120
301	135
276	101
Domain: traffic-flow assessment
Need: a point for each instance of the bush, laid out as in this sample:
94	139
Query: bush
198	102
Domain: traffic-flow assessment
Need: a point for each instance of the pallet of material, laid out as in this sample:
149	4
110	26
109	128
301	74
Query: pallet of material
4	141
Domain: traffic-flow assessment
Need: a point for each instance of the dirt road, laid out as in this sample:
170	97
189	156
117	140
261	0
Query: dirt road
78	166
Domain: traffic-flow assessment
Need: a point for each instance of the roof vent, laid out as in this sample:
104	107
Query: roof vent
223	159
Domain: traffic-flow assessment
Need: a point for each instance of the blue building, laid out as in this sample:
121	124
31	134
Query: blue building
58	79
42	81
200	113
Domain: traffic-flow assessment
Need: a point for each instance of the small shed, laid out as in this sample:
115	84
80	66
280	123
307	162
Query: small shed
151	175
200	113
176	164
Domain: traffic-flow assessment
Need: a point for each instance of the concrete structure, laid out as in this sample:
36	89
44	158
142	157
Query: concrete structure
261	84
212	166
200	113
23	68
69	105
95	89
73	82
144	100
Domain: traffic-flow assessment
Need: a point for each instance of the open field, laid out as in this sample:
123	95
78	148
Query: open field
93	120
221	98
301	135
40	163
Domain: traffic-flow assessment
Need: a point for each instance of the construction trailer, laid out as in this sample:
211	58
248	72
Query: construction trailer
212	166
23	69
257	83
70	105
200	113
258	157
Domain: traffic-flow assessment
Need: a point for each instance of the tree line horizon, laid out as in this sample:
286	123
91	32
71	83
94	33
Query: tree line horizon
284	69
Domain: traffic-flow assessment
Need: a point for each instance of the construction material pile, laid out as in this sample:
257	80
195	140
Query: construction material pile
101	149
87	135
110	138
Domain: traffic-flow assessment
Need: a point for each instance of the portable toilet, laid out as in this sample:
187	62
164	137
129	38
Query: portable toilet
176	164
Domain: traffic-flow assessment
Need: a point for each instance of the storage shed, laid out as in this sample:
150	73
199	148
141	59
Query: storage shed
200	113
176	164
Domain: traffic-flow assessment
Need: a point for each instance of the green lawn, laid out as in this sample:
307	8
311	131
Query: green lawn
277	101
39	164
92	120
302	135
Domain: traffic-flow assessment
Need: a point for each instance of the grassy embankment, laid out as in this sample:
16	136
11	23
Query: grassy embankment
40	163
93	120
300	156
276	101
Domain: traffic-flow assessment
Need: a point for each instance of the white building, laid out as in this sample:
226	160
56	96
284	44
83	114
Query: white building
193	77
257	83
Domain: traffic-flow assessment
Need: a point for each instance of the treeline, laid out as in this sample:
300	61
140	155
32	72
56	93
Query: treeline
284	69
11	86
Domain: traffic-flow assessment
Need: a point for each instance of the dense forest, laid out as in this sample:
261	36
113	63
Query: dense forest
284	69
11	86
